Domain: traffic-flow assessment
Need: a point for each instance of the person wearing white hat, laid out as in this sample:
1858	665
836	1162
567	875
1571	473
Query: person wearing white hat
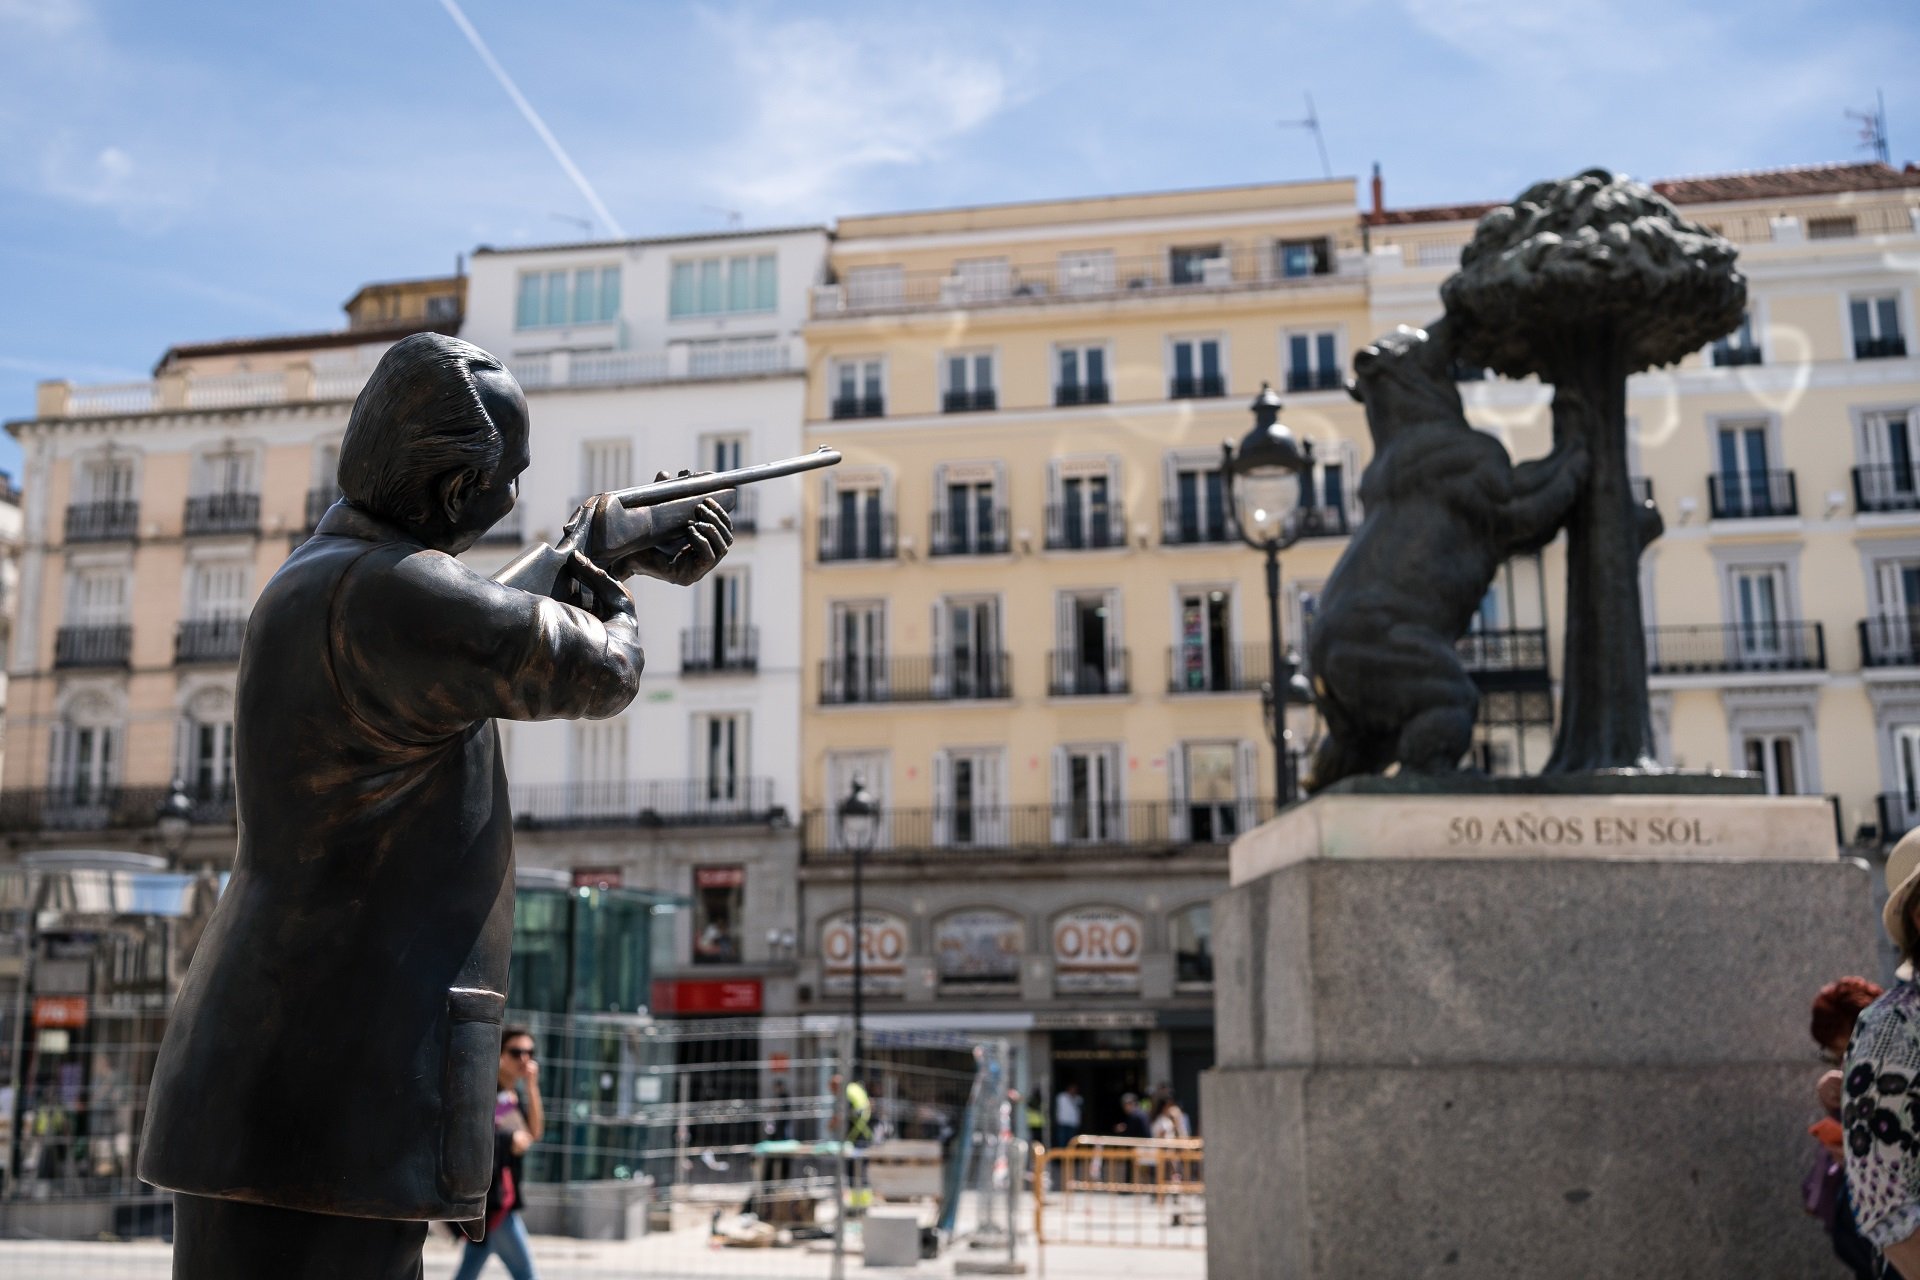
1880	1086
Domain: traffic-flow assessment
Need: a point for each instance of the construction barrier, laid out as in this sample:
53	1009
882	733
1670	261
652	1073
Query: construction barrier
1121	1193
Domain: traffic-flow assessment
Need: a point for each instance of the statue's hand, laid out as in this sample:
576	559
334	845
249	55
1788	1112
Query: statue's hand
610	599
684	560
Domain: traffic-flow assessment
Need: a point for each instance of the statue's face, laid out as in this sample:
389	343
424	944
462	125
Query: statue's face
487	502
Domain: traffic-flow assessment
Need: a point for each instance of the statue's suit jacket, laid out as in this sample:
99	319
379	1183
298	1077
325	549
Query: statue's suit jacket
335	1044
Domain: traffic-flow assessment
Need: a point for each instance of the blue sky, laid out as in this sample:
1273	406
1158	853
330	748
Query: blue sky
181	172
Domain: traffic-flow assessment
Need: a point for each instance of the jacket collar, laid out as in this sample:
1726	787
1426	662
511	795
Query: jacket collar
344	520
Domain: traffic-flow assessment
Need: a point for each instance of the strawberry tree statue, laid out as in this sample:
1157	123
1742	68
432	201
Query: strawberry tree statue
1583	282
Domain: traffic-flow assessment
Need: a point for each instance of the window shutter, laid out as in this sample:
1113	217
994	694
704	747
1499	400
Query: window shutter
183	749
1066	646
942	799
59	766
1117	794
1060	795
1116	643
939	659
1247	770
1179	824
110	756
991	812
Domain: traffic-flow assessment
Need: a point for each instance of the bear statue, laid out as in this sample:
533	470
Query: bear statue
1445	507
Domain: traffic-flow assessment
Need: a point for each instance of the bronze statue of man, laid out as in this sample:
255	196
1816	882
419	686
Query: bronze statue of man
326	1085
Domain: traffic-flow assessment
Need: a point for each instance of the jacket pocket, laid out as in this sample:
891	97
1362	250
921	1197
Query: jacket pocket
467	1091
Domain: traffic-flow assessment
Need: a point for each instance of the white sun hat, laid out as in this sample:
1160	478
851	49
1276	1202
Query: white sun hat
1903	877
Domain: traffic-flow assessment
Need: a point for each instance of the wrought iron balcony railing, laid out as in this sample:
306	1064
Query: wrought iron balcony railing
1074	526
1186	523
1049	830
209	640
102	521
1888	348
1899	814
1890	640
319	499
1752	495
978	400
217	513
1507	657
1737	646
93	646
707	651
1726	356
1203	386
1886	487
859	679
967	533
1073	393
1322	522
1073	674
858	407
1315	380
672	802
1198	668
94	806
864	539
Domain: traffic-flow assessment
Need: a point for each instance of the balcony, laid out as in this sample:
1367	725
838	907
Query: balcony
209	640
855	679
505	532
1899	814
976	401
1187	524
1506	658
1752	495
858	407
746	510
1073	674
680	362
1322	522
1886	488
706	651
1072	526
1890	640
1731	357
1069	394
102	646
102	521
1203	386
222	513
1085	277
105	807
1888	348
319	501
1737	646
645	803
1223	669
968	534
1044	830
1315	380
870	539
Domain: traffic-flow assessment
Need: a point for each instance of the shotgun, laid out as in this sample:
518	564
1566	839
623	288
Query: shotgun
644	516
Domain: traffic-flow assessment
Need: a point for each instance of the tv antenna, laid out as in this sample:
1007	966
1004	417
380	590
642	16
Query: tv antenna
1312	125
1873	127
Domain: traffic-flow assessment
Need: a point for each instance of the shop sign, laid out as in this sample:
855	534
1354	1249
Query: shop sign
60	1011
596	877
719	877
978	946
883	947
1096	950
706	995
1094	1021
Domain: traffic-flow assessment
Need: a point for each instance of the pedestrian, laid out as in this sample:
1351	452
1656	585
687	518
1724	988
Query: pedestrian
517	1124
1036	1117
1133	1122
1066	1116
1835	1010
1882	1068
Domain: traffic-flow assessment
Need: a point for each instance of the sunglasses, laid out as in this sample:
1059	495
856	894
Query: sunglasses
519	1053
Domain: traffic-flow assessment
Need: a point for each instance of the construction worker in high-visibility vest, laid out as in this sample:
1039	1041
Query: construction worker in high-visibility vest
859	1114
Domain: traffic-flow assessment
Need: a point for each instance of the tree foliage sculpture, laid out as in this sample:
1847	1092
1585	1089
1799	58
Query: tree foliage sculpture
1583	282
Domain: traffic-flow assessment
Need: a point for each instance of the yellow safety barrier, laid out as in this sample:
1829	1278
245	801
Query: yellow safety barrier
1128	1192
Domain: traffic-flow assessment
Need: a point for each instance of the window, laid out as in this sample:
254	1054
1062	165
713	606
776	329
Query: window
969	661
857	389
1441	253
1323	495
205	748
719	901
969	808
605	465
857	648
721	639
1906	763
1086	792
218	589
968	519
983	279
1213	784
733	285
856	526
1744	485
85	756
97	597
870	287
1876	327
106	480
1313	362
966	381
1203	652
1193	944
1303	257
1083	512
1197	512
723	453
442	307
599	766
720	740
1842	227
872	770
1886	480
1197	369
1738	347
1086	271
1088	656
1191	264
551	299
1080	375
1759	600
1775	757
228	471
1893	632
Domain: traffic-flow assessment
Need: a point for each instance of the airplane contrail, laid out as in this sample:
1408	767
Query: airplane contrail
533	117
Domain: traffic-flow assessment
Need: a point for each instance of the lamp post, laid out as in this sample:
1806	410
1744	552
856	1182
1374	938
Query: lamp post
1263	493
173	818
859	828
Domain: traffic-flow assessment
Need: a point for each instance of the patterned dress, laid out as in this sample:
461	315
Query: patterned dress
1881	1114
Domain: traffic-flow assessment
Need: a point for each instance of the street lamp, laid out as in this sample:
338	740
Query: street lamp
173	818
859	828
1263	493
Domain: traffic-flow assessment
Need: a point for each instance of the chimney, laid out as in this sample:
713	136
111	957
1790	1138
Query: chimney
1379	191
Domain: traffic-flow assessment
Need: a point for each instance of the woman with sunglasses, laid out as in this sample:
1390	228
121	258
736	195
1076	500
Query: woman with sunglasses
516	1126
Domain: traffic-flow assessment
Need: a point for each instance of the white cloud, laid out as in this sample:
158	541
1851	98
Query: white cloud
49	17
829	103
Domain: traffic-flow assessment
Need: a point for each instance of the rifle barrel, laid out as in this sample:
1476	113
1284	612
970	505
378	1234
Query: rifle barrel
659	491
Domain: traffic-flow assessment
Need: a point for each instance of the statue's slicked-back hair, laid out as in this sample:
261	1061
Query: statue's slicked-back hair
419	417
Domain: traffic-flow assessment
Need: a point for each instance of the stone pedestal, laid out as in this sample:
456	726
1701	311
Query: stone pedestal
1524	1035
